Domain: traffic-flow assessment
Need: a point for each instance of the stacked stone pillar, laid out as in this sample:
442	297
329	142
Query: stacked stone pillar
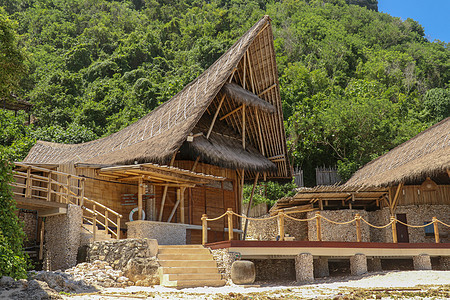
422	262
304	267
358	264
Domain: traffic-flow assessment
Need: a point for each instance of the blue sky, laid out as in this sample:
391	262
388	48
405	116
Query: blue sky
433	15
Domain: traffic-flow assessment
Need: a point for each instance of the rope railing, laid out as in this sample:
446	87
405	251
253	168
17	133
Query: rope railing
318	217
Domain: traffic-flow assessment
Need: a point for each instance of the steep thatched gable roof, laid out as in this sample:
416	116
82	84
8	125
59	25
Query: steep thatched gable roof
158	135
425	155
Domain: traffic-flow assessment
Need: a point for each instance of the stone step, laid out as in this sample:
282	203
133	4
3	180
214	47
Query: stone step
187	263
200	276
198	251
184	270
185	256
199	283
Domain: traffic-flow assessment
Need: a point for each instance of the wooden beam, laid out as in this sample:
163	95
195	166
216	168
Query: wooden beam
394	202
215	117
140	188
182	219
164	196
172	213
41	241
250	203
245	70
195	163
49	212
260	134
243	126
266	90
230	113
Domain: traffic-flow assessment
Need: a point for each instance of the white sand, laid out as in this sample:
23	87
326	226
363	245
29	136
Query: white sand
321	289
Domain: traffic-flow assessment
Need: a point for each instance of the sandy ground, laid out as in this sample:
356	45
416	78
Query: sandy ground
381	285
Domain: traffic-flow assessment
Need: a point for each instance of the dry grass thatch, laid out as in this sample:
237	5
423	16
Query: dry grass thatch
243	96
15	103
425	155
158	136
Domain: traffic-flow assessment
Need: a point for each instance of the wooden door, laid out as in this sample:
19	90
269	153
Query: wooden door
402	230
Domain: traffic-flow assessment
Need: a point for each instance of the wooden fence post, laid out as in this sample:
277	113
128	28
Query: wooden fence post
204	229
318	227
94	222
49	186
230	224
106	221
358	228
281	225
118	227
394	229
28	184
436	230
82	191
68	189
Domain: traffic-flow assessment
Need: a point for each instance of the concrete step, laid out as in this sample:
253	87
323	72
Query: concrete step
187	263
184	270
181	246
181	251
187	256
199	283
200	276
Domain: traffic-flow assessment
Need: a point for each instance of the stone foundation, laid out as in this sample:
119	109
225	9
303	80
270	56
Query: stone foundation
62	239
165	233
274	269
358	264
304	269
422	262
224	262
444	263
374	264
321	267
29	219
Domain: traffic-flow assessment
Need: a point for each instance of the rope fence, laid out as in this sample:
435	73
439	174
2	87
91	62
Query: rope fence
318	217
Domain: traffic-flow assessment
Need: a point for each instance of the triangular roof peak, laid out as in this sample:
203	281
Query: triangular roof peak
159	134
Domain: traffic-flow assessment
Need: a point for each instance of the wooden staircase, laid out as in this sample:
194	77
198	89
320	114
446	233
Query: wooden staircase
100	235
184	266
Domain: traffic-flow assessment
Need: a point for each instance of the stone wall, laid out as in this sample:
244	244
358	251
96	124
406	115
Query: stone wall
267	230
135	257
62	239
415	215
29	219
224	261
339	233
165	233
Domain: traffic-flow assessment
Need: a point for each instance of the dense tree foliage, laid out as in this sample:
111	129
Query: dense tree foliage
13	261
354	82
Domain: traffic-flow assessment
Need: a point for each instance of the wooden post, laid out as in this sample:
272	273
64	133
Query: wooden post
318	227
106	220
436	230
68	189
204	229
41	240
94	222
49	186
28	185
320	204
182	189
394	229
118	227
83	180
215	117
358	228
250	201
230	223
140	188
281	225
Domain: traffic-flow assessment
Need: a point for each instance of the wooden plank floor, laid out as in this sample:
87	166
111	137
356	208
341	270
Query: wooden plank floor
289	249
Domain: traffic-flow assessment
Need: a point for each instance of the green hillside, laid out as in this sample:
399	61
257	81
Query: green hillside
354	82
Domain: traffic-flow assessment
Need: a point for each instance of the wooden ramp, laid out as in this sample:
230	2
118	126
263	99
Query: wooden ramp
184	266
290	249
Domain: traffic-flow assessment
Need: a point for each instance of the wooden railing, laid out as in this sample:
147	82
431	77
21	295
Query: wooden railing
53	186
318	217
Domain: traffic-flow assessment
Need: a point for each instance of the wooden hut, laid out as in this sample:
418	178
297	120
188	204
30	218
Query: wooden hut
191	155
410	183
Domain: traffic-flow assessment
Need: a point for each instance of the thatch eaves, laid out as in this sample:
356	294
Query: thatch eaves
425	155
243	96
159	135
13	102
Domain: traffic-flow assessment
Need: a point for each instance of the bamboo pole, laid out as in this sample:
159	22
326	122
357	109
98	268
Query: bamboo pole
41	240
164	196
140	188
318	227
394	229
281	225
215	117
436	230
243	126
250	201
204	229
49	186
28	185
106	220
94	222
118	227
182	220
83	183
230	223
358	228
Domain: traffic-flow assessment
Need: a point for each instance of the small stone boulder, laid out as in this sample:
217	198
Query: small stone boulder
143	271
243	272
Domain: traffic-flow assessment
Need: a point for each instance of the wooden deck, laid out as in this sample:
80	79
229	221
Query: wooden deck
290	249
44	208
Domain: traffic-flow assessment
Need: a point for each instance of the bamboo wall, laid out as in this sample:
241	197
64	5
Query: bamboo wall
212	199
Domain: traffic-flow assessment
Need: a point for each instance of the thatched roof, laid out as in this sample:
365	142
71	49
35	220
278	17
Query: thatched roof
13	102
425	155
155	138
243	96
